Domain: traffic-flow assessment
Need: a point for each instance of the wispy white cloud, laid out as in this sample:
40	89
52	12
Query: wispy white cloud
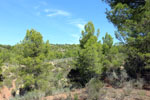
80	26
79	23
51	12
43	3
46	10
76	21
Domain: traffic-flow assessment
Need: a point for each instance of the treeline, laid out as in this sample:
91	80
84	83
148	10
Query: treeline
9	53
133	23
95	57
131	18
64	50
29	63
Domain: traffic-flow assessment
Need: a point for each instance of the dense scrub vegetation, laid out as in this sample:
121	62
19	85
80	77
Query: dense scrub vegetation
95	59
30	63
132	21
89	64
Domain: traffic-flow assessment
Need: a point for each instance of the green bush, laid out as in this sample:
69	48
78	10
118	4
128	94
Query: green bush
93	88
35	95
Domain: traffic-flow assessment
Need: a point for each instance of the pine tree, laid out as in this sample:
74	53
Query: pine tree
131	17
107	43
88	61
35	71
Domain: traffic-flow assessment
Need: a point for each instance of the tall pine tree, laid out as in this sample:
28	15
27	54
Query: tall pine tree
88	61
131	17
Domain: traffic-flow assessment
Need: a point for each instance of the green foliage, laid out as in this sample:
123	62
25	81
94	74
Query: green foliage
132	20
94	58
132	4
108	40
63	51
112	58
88	61
5	47
30	63
46	49
0	70
33	73
34	95
5	56
32	43
76	97
89	31
93	88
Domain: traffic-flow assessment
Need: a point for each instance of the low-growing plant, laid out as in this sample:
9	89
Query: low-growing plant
76	97
127	91
93	88
35	95
102	94
142	93
117	78
139	83
69	97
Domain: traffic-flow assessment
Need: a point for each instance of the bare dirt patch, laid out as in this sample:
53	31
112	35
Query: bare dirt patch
5	92
109	94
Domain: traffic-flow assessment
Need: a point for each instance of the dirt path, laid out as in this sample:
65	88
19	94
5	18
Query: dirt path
80	93
5	92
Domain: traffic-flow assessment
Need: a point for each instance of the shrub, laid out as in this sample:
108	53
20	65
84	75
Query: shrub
93	88
35	95
117	77
127	90
76	97
138	83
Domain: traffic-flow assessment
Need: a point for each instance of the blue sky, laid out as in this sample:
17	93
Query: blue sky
59	21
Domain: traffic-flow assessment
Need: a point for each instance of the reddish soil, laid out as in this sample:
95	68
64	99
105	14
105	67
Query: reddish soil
111	94
80	93
5	92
